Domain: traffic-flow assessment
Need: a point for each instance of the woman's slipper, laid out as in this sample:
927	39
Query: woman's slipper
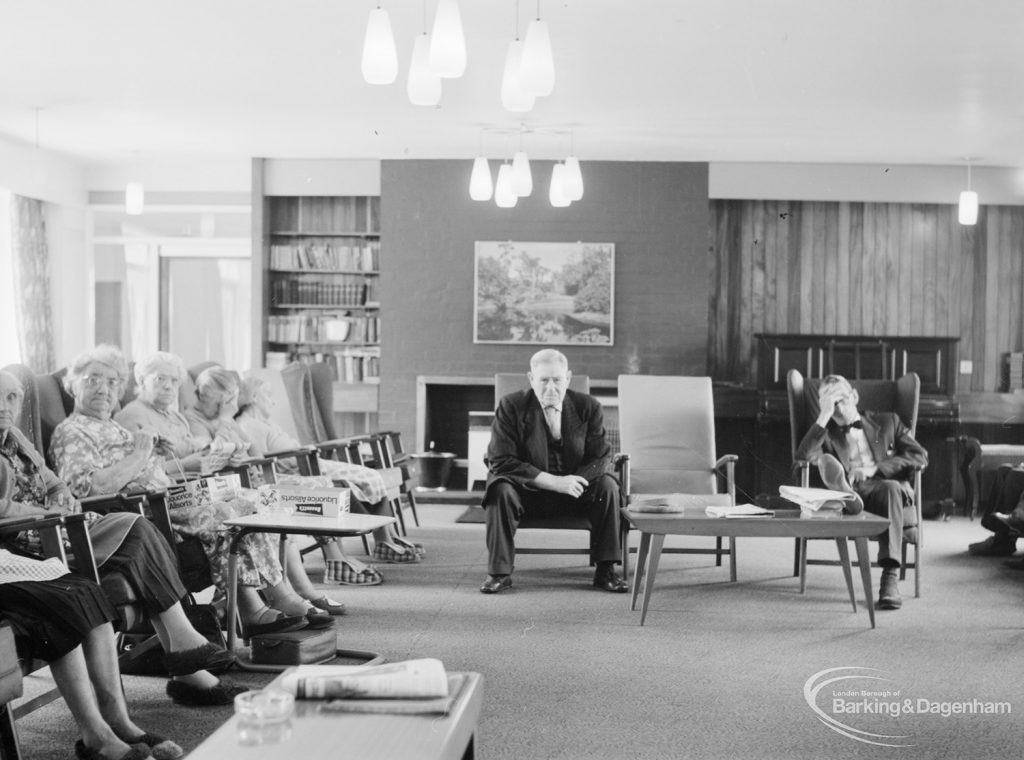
406	544
328	605
206	657
135	752
160	747
223	693
385	551
351	572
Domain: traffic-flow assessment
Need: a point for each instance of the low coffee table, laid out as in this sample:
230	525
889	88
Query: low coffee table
693	521
347	524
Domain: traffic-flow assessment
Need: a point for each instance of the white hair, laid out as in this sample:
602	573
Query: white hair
152	364
105	354
548	356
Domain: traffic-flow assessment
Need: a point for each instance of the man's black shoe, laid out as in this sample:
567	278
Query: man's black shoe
496	583
889	593
609	581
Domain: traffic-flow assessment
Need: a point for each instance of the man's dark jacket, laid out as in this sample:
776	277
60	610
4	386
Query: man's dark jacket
518	451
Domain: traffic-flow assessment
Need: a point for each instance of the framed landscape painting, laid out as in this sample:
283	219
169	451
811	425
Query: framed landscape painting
554	293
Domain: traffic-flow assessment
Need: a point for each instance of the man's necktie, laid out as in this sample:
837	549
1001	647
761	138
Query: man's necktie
844	429
554	417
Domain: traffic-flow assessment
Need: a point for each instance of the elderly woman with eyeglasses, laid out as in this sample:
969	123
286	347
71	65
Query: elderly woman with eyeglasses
213	424
122	542
159	377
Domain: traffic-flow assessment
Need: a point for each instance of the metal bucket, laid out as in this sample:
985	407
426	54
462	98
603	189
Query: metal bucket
434	467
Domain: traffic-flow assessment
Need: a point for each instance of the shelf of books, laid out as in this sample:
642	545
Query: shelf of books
323	269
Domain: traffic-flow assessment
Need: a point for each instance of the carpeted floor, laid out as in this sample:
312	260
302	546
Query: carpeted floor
719	671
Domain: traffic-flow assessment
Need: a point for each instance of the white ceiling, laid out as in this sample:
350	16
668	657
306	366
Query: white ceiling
866	81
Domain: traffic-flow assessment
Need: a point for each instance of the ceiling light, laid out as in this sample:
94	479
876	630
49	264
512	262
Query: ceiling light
504	195
447	42
513	97
522	179
556	192
537	68
423	86
573	179
134	198
380	57
967	214
480	186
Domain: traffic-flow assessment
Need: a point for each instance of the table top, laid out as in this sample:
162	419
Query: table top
694	521
315	734
345	524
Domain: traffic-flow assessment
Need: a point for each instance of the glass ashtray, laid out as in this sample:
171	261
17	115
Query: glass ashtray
264	706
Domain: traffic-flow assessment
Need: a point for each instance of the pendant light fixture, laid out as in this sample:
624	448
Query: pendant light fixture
522	178
134	198
573	175
447	41
504	194
556	191
380	57
967	213
513	97
423	85
537	66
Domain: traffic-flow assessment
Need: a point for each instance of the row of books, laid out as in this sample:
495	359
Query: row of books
351	365
323	328
338	291
326	256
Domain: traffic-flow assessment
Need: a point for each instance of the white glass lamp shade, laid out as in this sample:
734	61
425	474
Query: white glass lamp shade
423	85
537	68
513	97
573	179
504	195
480	186
447	42
380	57
134	198
522	178
556	192
968	211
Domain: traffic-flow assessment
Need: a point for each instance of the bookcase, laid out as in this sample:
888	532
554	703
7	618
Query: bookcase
321	273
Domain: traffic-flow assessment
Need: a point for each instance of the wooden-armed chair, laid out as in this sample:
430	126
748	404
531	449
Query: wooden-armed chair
510	382
667	425
10	690
900	397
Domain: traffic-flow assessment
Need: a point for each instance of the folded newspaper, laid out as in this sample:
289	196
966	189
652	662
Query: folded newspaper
408	687
739	510
817	501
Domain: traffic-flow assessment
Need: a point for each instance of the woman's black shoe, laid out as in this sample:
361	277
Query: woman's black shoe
282	624
223	693
87	753
207	657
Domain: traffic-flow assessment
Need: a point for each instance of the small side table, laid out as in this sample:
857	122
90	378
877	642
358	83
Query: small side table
287	524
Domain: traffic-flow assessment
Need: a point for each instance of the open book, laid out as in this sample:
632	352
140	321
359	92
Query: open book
817	501
412	686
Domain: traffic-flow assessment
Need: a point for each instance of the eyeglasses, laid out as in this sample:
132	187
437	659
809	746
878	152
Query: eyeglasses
167	380
92	382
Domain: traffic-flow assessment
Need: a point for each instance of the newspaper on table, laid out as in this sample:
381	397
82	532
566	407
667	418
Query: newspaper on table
817	502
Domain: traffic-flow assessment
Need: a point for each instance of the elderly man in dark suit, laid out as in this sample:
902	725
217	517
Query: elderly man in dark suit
548	452
873	456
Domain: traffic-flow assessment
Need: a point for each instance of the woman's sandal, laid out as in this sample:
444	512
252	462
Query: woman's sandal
324	603
407	544
351	572
386	551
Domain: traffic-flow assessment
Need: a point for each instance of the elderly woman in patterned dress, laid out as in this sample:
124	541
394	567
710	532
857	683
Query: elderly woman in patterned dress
122	542
96	455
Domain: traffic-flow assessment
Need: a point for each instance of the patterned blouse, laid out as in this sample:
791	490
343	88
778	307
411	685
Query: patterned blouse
81	445
170	425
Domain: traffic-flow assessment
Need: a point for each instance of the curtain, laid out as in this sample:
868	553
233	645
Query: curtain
33	310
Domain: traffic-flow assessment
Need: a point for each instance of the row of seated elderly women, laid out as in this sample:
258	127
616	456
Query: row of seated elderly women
93	452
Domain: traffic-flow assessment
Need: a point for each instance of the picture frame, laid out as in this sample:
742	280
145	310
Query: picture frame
544	293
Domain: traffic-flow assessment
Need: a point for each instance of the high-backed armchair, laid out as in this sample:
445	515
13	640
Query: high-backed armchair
897	396
667	426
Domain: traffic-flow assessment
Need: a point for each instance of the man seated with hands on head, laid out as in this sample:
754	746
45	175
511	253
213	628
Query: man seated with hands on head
548	453
871	455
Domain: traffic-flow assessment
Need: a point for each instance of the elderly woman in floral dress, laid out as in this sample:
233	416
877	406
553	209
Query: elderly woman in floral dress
122	542
96	455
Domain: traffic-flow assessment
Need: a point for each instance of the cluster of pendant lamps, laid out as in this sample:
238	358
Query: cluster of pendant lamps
528	73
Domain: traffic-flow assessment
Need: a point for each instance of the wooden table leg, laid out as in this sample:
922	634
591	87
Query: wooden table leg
641	567
657	541
864	560
844	559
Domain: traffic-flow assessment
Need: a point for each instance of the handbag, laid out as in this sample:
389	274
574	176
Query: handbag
302	647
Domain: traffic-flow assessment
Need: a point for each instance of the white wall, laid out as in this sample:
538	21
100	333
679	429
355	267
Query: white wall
862	182
300	176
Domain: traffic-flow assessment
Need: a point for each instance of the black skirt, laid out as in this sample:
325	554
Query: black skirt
50	618
148	562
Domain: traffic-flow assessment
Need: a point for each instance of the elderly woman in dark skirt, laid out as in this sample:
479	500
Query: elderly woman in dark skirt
126	543
64	620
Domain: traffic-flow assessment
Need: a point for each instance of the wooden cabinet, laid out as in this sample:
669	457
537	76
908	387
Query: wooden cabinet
320	264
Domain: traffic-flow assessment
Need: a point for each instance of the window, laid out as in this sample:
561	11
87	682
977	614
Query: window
10	349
